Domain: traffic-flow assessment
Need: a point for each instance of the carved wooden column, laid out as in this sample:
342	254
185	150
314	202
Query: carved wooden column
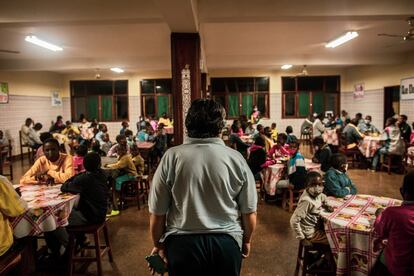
186	78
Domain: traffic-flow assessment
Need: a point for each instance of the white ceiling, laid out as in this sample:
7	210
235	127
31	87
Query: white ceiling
236	34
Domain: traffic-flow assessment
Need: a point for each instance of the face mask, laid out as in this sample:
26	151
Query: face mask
345	168
316	148
315	190
367	122
255	109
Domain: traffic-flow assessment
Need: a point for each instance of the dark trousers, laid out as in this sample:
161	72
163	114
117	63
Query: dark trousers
203	254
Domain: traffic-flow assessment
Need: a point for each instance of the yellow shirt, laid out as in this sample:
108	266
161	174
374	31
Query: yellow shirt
11	205
165	122
125	163
60	171
274	134
268	143
67	129
139	164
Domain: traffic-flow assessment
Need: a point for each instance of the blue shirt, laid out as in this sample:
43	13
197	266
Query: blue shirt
336	184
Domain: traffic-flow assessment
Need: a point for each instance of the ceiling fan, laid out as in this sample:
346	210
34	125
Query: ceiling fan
9	51
409	36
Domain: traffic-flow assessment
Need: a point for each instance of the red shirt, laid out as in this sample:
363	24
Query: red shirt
78	164
396	224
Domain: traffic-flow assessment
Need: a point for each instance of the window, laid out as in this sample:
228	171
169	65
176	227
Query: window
239	95
156	97
302	96
104	100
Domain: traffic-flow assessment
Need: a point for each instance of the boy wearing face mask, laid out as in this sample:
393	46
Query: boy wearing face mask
306	220
366	126
337	182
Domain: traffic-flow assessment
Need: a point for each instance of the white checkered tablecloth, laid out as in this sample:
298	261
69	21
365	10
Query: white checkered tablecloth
331	137
48	210
350	234
369	146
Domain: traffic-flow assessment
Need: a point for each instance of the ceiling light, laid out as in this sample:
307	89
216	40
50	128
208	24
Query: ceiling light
158	86
286	66
341	40
33	39
117	70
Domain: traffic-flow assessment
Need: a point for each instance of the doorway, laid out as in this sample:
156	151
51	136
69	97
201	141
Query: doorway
391	101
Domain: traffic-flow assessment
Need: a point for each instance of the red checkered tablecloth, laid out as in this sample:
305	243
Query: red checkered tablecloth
350	234
48	210
145	145
272	174
169	130
369	145
331	137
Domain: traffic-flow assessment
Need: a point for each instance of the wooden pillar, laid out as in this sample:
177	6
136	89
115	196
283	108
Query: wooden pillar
204	85
185	68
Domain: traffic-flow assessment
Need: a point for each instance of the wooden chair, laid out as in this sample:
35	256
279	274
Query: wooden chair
260	189
9	261
392	161
306	138
30	151
6	160
100	250
353	155
133	190
304	260
290	198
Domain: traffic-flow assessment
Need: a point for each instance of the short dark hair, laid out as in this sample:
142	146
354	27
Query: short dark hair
318	141
282	135
259	141
38	126
52	141
119	137
404	117
92	162
354	121
234	128
128	132
337	160
408	184
390	121
295	142
59	117
101	126
289	129
205	119
81	150
358	115
368	116
259	127
45	136
68	122
310	177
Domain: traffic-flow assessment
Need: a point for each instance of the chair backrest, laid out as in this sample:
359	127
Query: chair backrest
20	137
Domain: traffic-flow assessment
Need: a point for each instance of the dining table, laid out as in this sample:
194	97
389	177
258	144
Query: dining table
369	145
48	209
330	136
169	130
273	173
248	139
349	229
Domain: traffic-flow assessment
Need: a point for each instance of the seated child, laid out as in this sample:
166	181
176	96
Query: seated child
337	182
296	170
257	157
93	189
280	149
121	142
53	167
96	147
396	226
80	153
274	131
139	162
235	139
306	220
290	136
126	166
160	140
43	137
129	137
322	154
249	129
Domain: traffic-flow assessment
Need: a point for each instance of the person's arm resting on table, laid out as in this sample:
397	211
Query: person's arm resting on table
11	204
67	171
333	186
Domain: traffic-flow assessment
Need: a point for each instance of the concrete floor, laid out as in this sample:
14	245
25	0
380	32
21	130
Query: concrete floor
274	247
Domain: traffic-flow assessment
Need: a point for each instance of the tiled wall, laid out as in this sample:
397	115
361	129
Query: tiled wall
40	109
371	104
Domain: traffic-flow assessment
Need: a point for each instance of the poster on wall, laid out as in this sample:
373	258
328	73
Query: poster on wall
56	99
4	92
407	89
359	91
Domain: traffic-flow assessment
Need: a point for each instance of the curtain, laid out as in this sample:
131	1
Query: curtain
106	108
247	105
162	105
317	102
233	106
304	104
92	107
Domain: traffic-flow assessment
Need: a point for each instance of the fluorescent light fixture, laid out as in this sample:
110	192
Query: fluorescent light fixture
158	86
117	70
286	66
341	40
33	39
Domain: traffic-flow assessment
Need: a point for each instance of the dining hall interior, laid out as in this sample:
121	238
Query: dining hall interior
308	104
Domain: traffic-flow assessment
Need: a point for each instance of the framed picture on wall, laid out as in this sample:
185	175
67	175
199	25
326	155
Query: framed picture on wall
359	90
4	92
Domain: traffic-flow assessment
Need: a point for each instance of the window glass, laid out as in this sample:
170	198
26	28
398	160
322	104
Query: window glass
247	105
163	86
304	104
220	99
262	84
149	106
121	87
331	84
289	104
78	88
317	102
121	107
79	107
162	105
233	106
231	85
261	103
106	108
147	86
245	84
288	83
331	102
218	85
92	108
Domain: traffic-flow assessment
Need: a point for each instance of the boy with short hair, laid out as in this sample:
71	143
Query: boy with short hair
139	162
125	165
306	220
290	136
121	142
322	154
